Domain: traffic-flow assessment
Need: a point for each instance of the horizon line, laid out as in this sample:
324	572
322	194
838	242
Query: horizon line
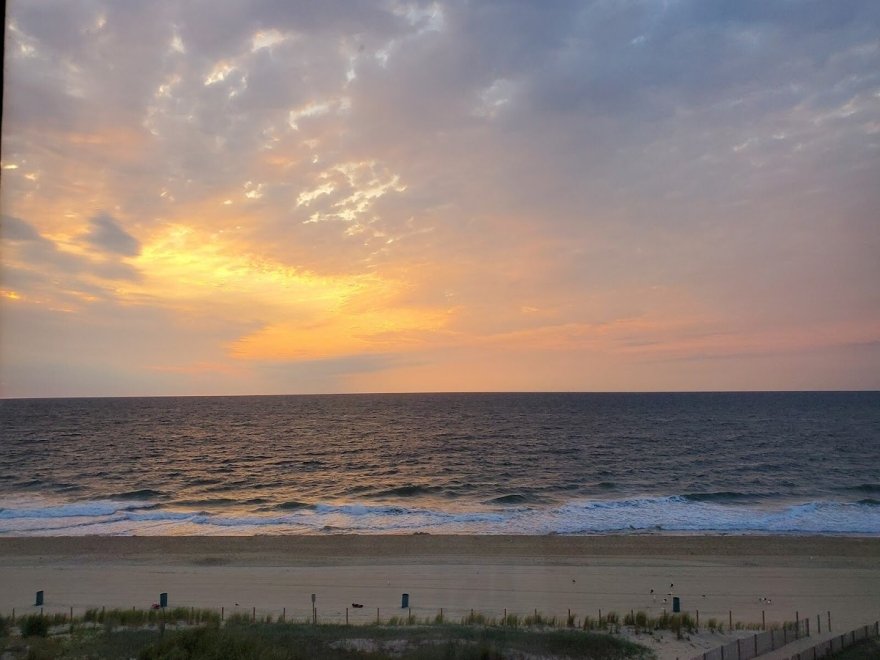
433	393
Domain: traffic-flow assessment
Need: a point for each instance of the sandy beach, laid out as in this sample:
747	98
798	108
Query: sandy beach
715	575
803	576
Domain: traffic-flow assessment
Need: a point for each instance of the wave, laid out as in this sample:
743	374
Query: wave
680	514
510	499
516	498
68	488
864	488
142	494
209	501
292	505
90	509
205	482
411	490
673	514
30	483
726	496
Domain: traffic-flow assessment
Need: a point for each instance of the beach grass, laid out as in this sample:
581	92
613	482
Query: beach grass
34	625
194	632
300	640
867	649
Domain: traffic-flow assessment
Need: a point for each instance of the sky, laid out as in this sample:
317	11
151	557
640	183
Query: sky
268	197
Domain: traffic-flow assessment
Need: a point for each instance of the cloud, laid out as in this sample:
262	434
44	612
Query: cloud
15	229
338	367
39	268
106	235
314	171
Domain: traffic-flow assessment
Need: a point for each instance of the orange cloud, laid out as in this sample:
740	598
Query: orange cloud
381	330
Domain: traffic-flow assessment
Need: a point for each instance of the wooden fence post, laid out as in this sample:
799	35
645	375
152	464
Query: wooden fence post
346	616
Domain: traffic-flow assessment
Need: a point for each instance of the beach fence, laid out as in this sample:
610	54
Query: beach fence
839	642
406	613
746	648
304	610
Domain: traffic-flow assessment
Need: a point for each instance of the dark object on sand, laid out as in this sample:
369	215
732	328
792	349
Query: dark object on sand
39	600
404	600
676	604
163	599
356	605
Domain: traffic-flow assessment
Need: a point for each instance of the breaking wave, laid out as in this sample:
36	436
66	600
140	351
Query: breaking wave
673	514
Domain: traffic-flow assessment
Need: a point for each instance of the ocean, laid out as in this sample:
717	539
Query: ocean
678	463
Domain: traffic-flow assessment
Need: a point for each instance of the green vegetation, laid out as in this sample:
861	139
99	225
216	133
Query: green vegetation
300	640
423	642
867	649
34	625
135	617
201	633
5	625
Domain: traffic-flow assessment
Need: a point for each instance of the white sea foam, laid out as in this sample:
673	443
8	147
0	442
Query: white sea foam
41	509
682	515
634	515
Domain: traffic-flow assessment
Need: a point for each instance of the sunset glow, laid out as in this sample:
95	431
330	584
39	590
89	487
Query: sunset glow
231	198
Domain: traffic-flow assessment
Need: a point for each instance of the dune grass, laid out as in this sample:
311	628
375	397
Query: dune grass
867	649
202	633
452	641
292	641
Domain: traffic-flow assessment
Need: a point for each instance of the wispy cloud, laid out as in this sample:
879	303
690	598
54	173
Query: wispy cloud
529	197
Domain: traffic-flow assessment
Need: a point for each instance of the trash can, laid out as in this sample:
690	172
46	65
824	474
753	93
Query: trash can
676	604
404	600
163	599
39	602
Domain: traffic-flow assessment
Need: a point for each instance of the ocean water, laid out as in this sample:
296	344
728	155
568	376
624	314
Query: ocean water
716	463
